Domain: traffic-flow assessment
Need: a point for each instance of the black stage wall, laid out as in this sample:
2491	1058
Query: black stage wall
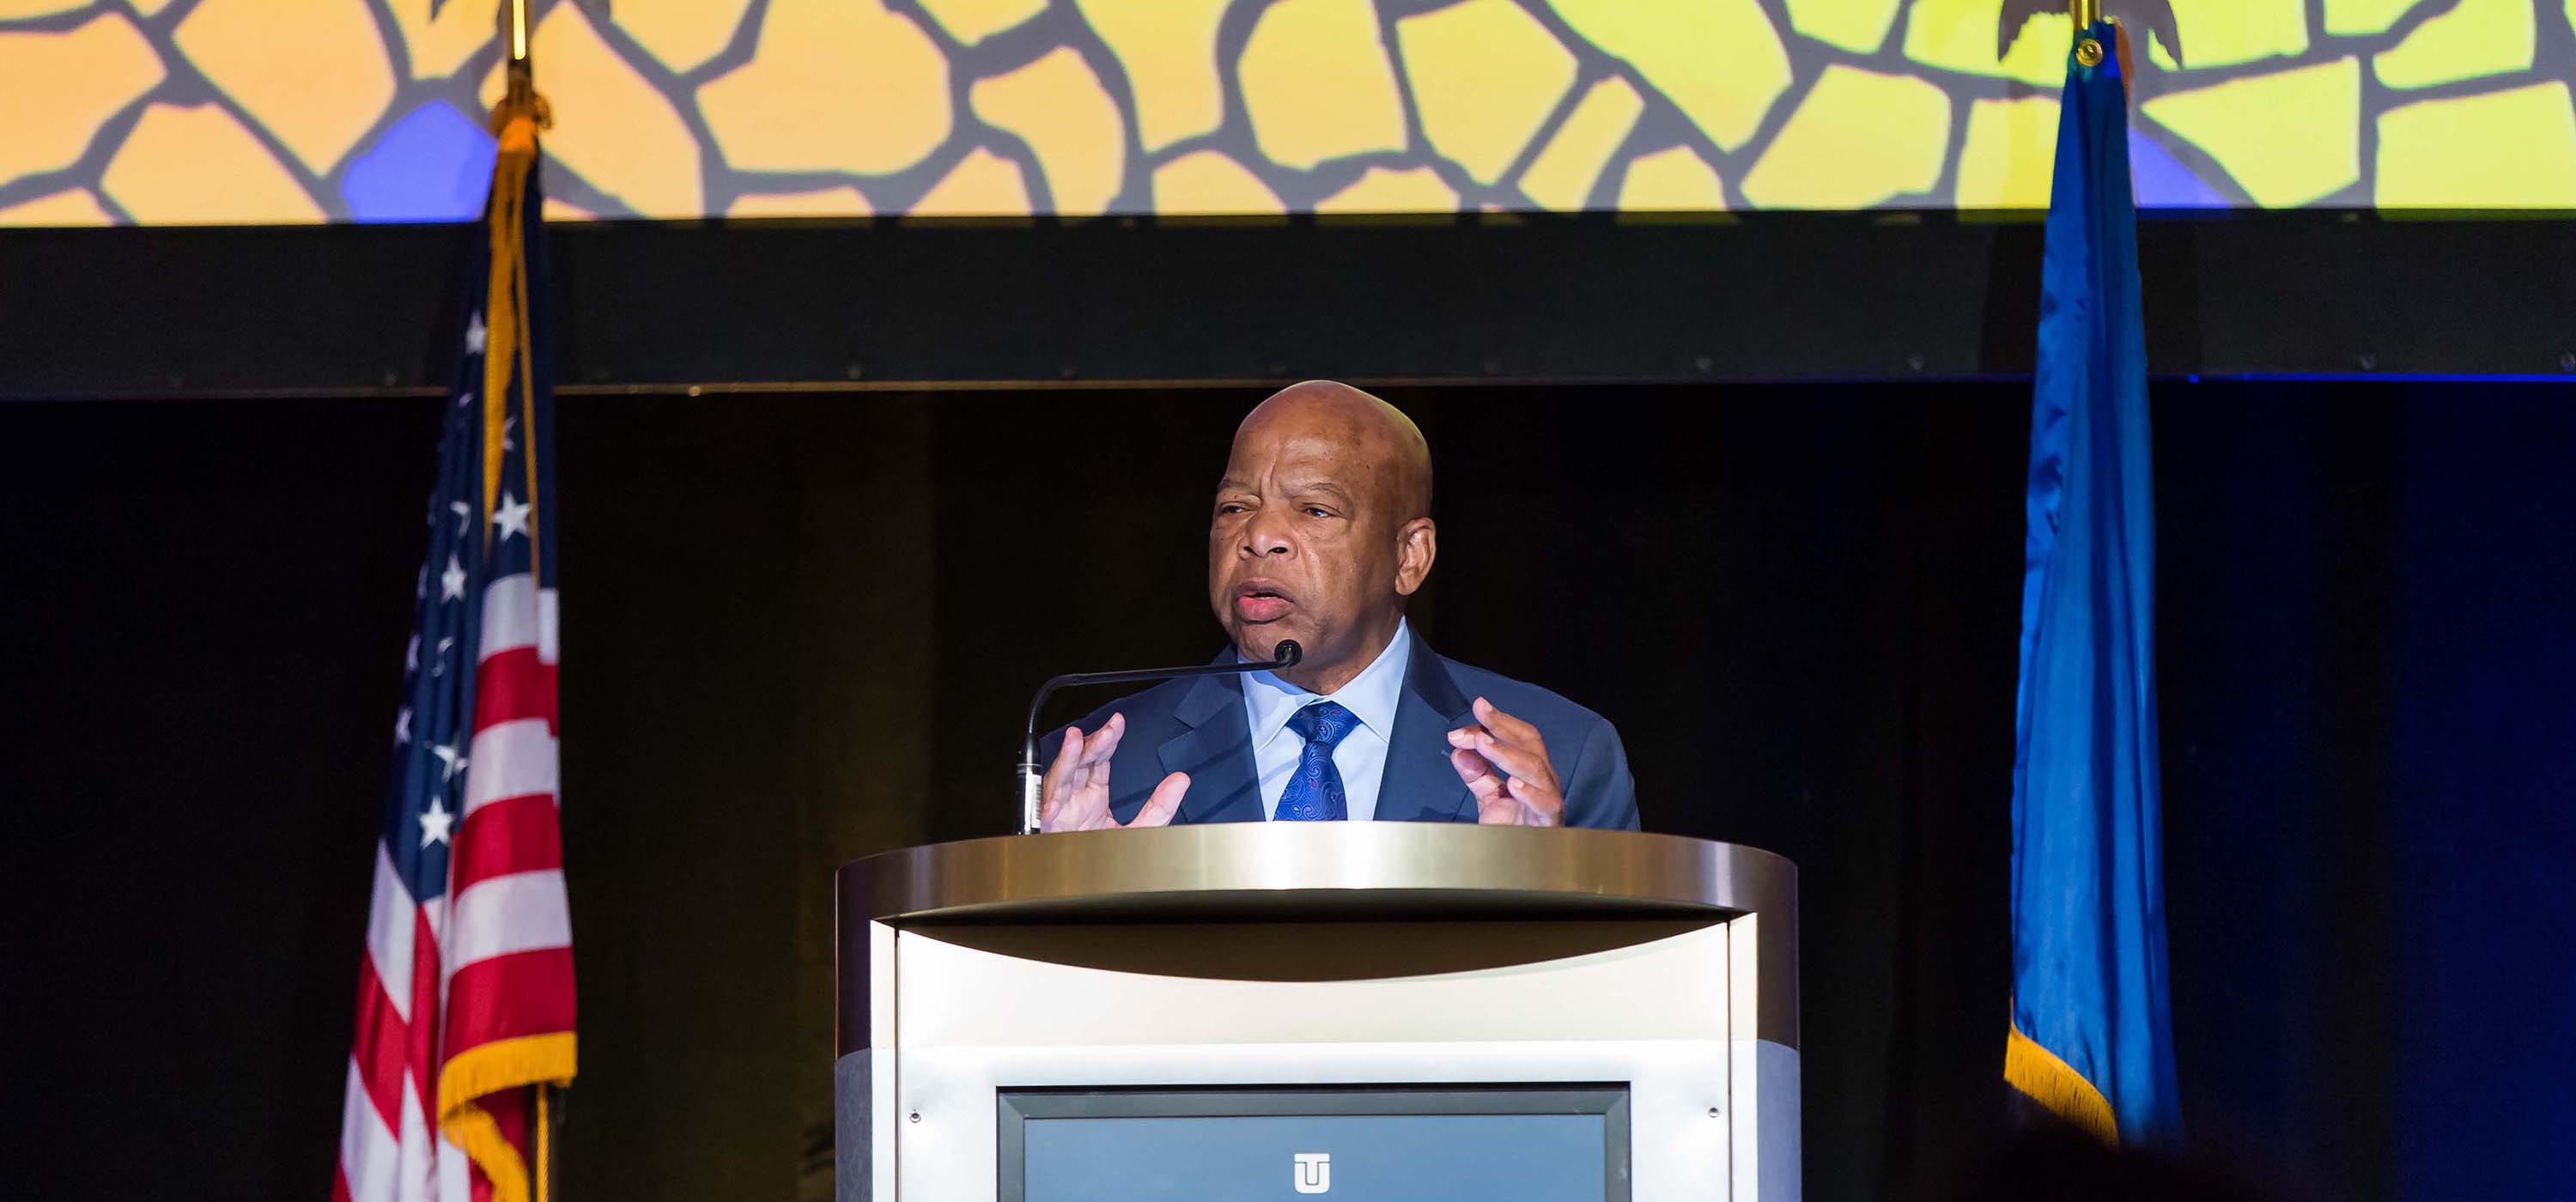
798	629
342	311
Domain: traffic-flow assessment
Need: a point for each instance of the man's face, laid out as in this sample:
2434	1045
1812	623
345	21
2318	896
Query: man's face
1305	542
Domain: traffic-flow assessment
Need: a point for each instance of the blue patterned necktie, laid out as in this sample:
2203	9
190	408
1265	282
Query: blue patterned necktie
1315	793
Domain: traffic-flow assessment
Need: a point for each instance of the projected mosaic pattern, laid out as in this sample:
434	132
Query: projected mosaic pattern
189	111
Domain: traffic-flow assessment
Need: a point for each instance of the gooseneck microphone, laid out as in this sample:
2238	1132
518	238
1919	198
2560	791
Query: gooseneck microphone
1032	777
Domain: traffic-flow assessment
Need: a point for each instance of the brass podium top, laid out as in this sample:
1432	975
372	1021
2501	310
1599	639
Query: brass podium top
1326	871
1278	870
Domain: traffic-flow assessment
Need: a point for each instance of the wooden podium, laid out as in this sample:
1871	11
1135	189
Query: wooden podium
1007	1004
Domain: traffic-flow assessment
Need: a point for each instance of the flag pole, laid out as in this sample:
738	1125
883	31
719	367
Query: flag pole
545	1133
521	86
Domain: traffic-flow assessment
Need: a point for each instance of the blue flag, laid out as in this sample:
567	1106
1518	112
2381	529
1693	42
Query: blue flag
2092	1032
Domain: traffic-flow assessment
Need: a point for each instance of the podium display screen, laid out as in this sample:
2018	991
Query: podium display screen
1538	1143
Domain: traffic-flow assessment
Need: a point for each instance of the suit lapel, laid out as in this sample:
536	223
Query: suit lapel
1419	785
1216	751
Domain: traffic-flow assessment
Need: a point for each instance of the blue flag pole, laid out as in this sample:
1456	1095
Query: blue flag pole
2092	1035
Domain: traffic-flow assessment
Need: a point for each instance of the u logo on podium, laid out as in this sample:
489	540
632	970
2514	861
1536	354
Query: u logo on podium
1314	1172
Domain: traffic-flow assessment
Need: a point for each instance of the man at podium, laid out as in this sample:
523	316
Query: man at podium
1320	530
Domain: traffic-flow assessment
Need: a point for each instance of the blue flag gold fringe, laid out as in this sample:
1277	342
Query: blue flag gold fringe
2090	1037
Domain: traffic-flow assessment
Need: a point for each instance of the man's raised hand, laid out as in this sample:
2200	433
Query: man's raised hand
1075	794
1505	764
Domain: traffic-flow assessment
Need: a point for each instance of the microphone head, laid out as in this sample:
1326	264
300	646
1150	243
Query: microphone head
1287	653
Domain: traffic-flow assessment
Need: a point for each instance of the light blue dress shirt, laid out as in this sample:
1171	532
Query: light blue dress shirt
1371	696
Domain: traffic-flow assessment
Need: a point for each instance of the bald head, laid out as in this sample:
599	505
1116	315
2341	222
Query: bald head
1322	529
1379	436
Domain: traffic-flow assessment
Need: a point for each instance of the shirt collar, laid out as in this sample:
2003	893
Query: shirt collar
1371	696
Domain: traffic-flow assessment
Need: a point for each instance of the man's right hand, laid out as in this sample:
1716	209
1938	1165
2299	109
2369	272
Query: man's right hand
1075	794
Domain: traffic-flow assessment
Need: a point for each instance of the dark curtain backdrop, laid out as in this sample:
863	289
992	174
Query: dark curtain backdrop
799	629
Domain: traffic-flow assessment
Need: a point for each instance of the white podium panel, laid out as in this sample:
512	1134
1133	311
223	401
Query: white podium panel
1195	958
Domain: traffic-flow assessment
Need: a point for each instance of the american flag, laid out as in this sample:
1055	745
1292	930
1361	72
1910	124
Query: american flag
465	993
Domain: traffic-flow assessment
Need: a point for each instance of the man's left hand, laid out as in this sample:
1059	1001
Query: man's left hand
1505	764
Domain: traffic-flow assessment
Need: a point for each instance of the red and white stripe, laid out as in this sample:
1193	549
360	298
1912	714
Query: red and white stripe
385	1152
493	959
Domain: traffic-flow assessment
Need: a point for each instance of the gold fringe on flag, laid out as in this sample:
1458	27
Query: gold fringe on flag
491	1068
2055	1085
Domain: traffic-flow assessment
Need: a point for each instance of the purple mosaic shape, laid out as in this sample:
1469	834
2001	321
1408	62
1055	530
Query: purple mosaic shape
2161	181
433	165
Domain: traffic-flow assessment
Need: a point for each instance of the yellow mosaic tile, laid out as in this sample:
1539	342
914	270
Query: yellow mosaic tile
1056	105
1318	83
1719	61
834	85
1168	50
192	165
1206	181
680	34
2224	33
2282	136
2510	149
1959	35
2010	155
1671	180
972	21
843	201
1485	76
59	87
317	93
559	209
864	88
2361	18
439	45
1562	175
1859	26
1386	190
2480	37
72	207
1858	139
983	184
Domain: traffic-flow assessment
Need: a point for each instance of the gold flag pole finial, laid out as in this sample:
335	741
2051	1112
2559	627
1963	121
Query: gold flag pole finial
519	97
2156	17
2086	14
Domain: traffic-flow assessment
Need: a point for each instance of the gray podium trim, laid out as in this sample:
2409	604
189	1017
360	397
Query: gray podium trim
1015	1107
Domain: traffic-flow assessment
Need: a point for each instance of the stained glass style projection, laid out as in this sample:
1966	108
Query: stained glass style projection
288	111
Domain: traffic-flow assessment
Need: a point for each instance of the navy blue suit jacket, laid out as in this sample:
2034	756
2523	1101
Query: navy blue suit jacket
1197	726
